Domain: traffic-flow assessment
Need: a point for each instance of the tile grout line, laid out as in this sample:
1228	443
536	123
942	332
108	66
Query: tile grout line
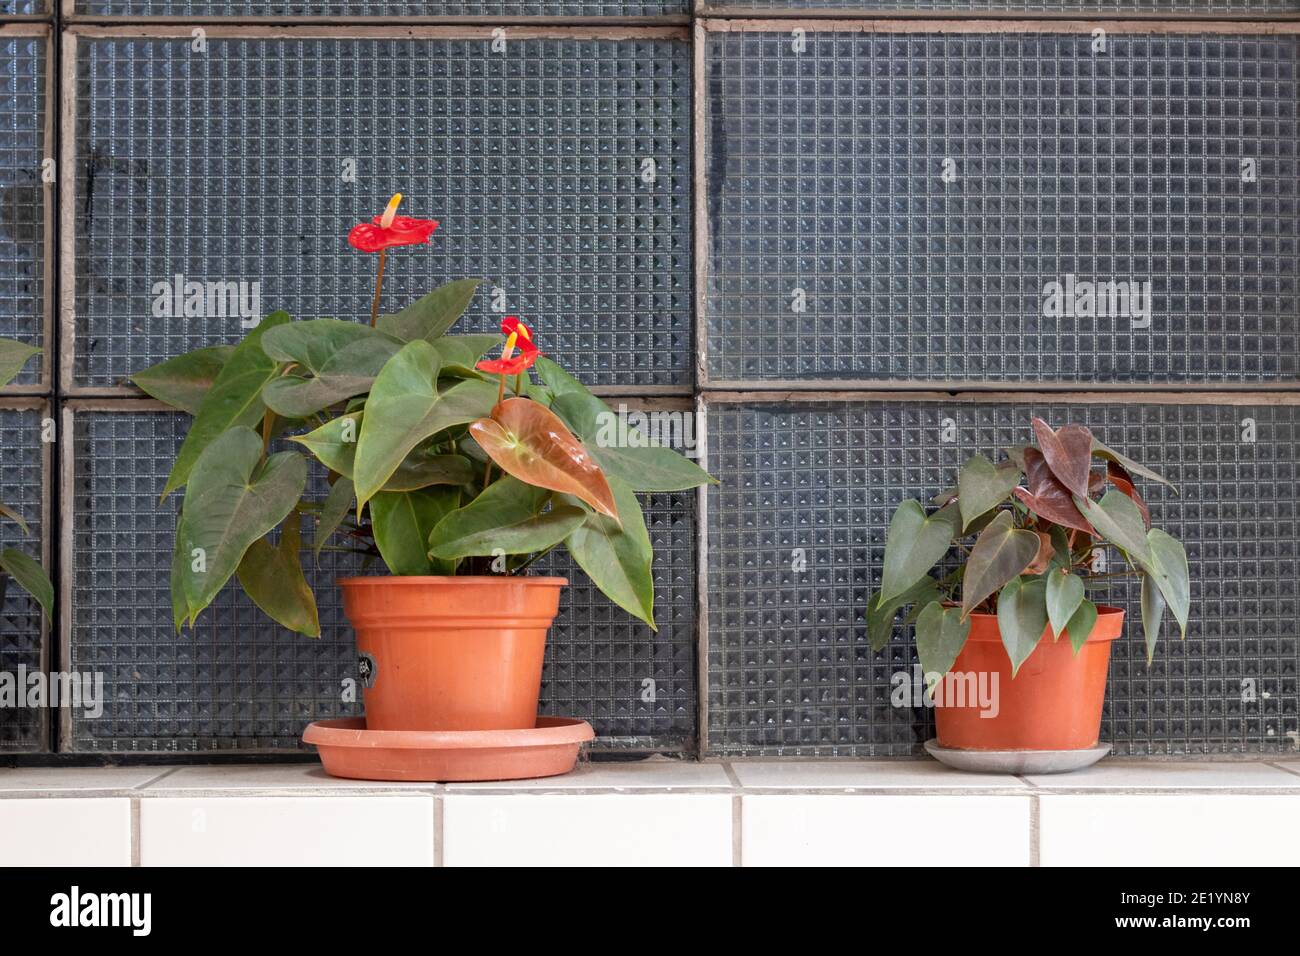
152	780
1035	831
439	831
737	817
135	831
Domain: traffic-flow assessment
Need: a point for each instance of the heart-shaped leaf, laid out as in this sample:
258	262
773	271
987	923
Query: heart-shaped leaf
624	452
1047	497
333	360
181	382
405	408
1068	452
1064	595
460	353
530	442
1153	610
880	615
336	507
1000	554
1081	624
1122	480
509	517
940	635
1168	569
1099	450
232	500
617	556
272	576
13	356
981	487
557	379
1119	521
429	316
335	444
235	399
913	545
403	521
1022	618
31	577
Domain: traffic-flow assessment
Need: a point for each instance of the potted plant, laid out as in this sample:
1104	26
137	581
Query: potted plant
20	566
456	471
1013	650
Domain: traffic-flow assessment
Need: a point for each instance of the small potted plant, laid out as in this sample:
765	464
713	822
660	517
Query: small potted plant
457	471
1013	650
15	564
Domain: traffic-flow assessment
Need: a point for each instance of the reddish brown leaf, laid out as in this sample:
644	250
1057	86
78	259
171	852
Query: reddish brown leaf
1047	497
1068	453
530	442
1044	556
1122	480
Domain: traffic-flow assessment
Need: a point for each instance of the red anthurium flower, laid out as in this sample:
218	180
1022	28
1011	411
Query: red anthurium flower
509	363
391	229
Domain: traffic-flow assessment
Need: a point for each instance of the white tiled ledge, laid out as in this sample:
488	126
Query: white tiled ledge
660	811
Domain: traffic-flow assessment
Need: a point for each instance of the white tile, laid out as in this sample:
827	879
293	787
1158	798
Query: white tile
286	831
1147	775
587	830
77	778
1292	766
873	830
862	774
1169	830
657	774
65	831
271	777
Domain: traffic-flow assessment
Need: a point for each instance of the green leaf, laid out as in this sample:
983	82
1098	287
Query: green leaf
431	315
232	500
31	577
880	617
234	400
557	379
1000	553
181	382
510	516
13	356
618	559
16	518
940	635
272	576
1081	624
335	360
460	352
913	545
1064	595
403	521
981	487
337	504
1022	618
1153	610
180	605
1099	450
405	408
624	452
1118	520
335	445
527	440
1168	569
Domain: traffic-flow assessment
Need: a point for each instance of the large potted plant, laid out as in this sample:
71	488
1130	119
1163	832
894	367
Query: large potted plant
455	470
1013	650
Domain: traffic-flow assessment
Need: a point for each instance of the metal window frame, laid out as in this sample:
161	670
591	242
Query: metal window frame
69	13
740	10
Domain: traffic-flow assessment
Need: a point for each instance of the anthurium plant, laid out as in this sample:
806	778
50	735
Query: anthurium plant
20	566
439	461
1029	533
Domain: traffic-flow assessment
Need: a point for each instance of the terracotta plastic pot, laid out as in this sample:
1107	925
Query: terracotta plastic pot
451	653
1054	702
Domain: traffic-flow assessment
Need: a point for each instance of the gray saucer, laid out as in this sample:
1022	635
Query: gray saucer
1016	761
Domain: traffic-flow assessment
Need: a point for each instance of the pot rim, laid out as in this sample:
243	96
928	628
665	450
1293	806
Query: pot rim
1103	610
446	580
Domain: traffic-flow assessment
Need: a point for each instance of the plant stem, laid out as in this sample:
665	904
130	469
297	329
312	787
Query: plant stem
268	422
379	285
501	389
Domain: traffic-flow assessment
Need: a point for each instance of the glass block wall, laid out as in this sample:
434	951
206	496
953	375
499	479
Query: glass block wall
826	242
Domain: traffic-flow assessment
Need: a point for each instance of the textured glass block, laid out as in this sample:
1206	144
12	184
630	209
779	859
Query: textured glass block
21	481
791	670
239	681
560	172
22	226
838	250
1027	7
386	8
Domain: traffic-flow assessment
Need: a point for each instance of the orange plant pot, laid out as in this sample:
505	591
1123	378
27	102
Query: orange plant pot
1053	703
451	653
